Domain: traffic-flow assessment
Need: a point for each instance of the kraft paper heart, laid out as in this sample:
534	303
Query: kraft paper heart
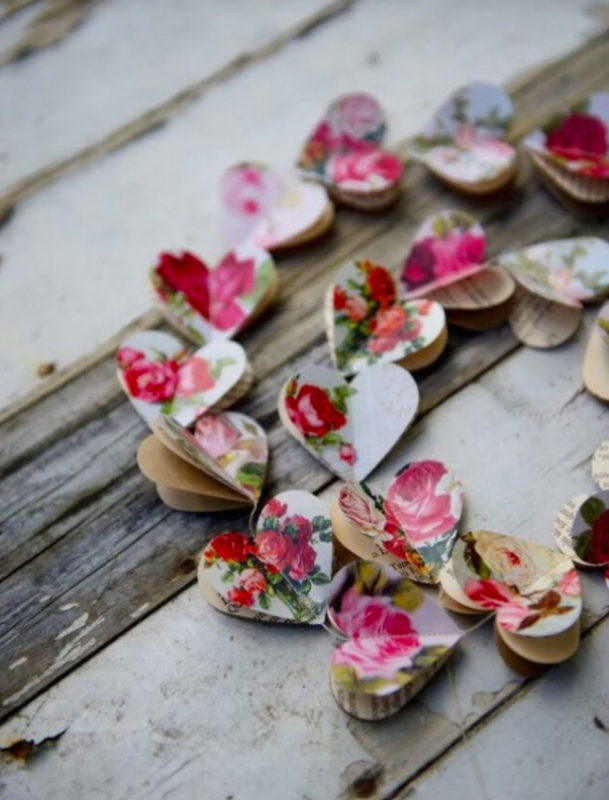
577	192
397	639
259	208
465	144
280	573
411	526
344	153
535	594
596	359
214	304
367	322
160	376
220	465
349	427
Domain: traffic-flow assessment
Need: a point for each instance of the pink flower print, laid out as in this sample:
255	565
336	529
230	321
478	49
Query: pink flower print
570	584
359	508
347	454
227	283
364	171
356	309
512	615
364	616
127	356
194	376
377	657
274	508
489	593
152	381
356	115
216	435
392	326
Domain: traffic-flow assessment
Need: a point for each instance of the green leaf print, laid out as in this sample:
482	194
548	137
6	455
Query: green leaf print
592	509
218	365
264	278
251	475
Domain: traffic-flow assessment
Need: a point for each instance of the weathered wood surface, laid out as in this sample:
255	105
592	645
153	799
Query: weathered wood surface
80	525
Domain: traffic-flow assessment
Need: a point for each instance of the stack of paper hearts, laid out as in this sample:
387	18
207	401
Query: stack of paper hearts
349	427
411	526
447	264
464	145
555	279
257	207
397	639
582	526
208	305
369	322
571	153
535	594
344	153
596	360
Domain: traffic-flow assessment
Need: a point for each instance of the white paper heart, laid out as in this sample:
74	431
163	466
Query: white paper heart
160	377
349	427
596	359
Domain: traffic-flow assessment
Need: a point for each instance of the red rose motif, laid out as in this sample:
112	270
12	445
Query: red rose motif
187	274
303	526
381	287
241	597
275	549
152	381
127	357
392	326
312	412
414	505
579	135
489	593
437	257
194	376
418	267
599	541
340	298
361	170
347	453
302	563
230	547
274	508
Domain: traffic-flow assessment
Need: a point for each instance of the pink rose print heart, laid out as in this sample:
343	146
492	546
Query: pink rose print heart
349	427
397	639
258	208
411	526
160	376
281	572
214	304
344	153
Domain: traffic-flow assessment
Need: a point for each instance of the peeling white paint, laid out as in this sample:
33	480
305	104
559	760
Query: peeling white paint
139	611
78	623
68	606
18	663
45	598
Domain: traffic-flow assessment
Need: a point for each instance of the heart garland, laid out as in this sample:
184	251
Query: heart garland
349	427
344	153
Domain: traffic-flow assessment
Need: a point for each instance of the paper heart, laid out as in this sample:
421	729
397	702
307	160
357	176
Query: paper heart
349	427
571	187
398	639
160	376
596	359
369	323
464	144
577	140
214	304
259	208
281	572
411	526
344	152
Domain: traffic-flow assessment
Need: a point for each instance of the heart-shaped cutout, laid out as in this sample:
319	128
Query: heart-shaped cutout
398	639
221	464
349	427
596	359
160	376
281	573
588	538
571	188
368	323
344	153
411	526
214	304
257	207
464	144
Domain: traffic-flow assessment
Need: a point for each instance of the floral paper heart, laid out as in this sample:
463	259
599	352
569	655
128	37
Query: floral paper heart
257	207
596	359
281	573
368	323
411	526
344	152
464	144
214	304
398	639
160	377
351	427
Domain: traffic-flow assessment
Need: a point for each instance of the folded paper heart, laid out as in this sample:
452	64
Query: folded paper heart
368	322
575	191
410	527
535	594
555	278
596	359
344	153
258	208
281	573
349	427
464	145
446	263
398	638
220	465
160	376
214	304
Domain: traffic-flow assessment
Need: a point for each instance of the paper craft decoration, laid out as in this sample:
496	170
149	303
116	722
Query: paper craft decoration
577	192
281	572
535	594
368	322
447	263
464	145
344	153
596	359
160	376
398	638
349	427
259	208
556	277
411	526
220	465
214	304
